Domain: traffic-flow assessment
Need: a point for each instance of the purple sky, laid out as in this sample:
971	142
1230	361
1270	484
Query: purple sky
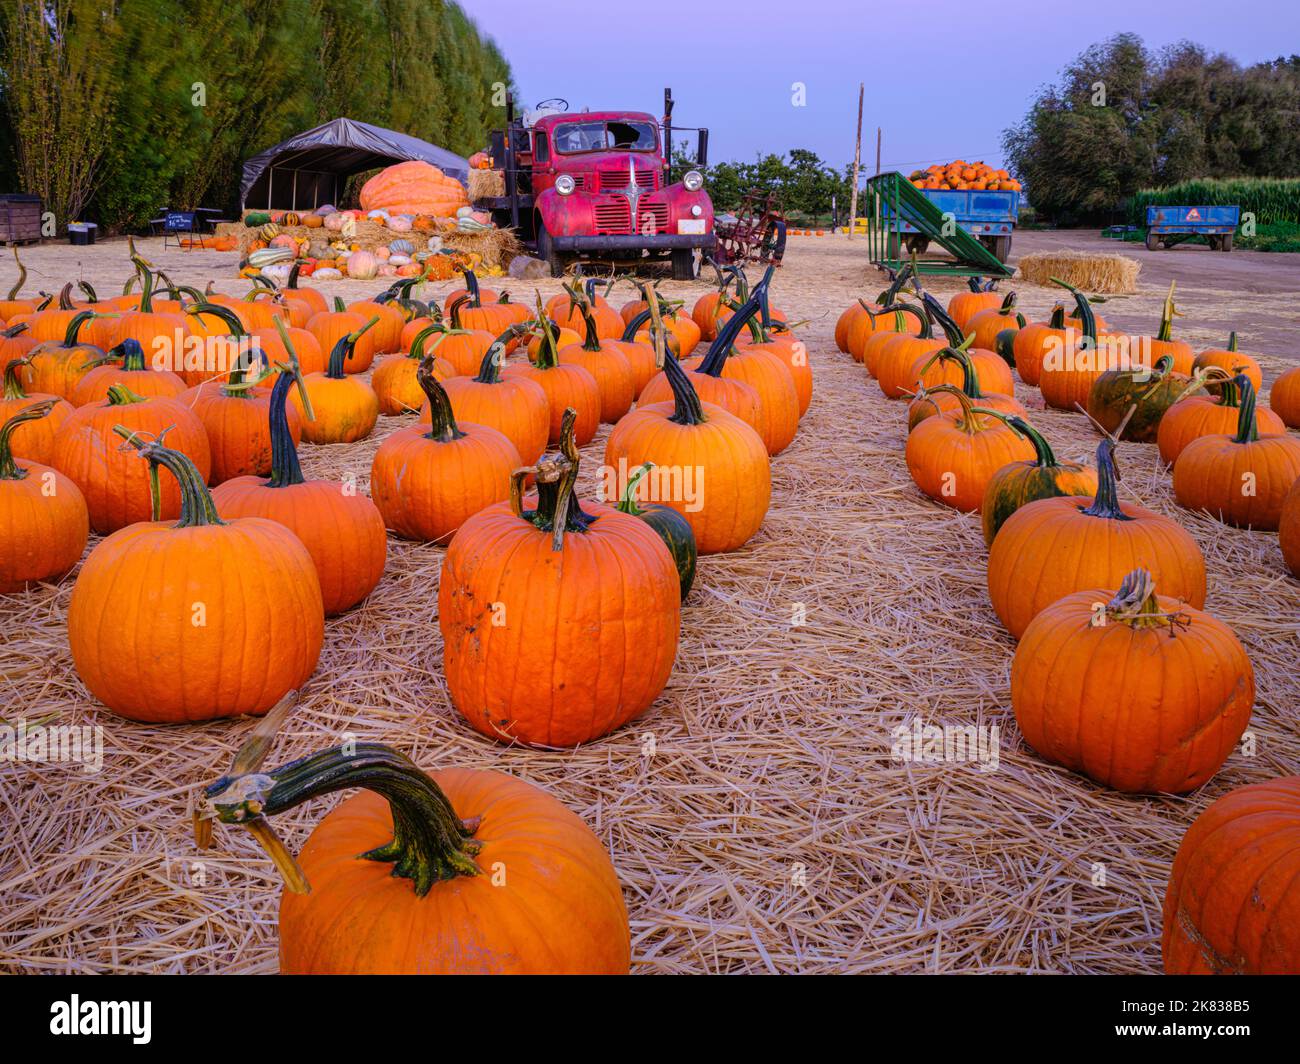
943	84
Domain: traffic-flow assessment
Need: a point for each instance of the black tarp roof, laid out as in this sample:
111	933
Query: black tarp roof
310	169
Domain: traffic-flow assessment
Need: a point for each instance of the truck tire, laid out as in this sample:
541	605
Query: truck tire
918	242
546	250
1153	242
893	247
999	246
684	264
1225	242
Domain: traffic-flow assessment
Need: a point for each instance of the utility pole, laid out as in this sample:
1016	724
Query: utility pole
857	161
877	150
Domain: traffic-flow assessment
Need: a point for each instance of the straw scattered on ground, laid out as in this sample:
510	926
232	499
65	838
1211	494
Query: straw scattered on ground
1086	271
770	830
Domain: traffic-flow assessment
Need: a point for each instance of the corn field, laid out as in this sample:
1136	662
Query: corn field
1270	199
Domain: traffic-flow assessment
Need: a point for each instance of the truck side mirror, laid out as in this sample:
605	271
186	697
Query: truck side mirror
702	149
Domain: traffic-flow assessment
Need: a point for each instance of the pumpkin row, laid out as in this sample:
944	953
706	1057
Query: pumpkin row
1119	674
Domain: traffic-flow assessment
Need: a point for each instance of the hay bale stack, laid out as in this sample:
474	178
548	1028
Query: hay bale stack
484	183
1092	273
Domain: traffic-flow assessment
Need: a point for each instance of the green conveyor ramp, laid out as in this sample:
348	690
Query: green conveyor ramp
891	197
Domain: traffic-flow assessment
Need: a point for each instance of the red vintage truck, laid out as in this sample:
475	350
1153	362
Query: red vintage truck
596	184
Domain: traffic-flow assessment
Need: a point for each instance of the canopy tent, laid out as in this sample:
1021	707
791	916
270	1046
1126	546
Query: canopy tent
311	169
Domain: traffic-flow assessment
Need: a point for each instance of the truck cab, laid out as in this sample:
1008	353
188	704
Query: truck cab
595	184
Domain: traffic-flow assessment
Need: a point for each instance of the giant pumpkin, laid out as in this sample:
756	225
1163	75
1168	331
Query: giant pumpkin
413	187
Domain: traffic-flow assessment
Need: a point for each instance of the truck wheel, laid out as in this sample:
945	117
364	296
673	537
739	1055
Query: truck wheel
892	247
1225	242
684	264
1000	246
1153	242
546	250
917	242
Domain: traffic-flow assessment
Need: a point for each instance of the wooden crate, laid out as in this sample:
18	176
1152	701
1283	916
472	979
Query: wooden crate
20	219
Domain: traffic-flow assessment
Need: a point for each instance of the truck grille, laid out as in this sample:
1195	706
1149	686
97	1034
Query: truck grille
652	218
612	217
614	179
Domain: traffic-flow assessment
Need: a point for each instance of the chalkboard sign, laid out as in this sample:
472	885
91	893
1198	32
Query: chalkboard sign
179	221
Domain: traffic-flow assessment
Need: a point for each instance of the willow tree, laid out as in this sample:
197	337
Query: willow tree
58	70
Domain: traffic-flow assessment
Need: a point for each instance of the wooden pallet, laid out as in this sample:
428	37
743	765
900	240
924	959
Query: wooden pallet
20	220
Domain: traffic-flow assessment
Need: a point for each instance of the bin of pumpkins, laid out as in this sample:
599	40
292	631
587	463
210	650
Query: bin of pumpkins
406	212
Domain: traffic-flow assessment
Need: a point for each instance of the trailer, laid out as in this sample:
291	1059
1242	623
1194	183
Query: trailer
989	216
1167	226
903	219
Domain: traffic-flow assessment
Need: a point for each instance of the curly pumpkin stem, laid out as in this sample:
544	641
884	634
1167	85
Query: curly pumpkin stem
489	370
9	469
1247	424
548	353
78	320
343	349
22	276
430	843
146	283
951	329
13	387
558	510
1106	502
627	504
970	381
1044	456
417	351
1167	312
197	507
129	353
971	419
443	427
1083	311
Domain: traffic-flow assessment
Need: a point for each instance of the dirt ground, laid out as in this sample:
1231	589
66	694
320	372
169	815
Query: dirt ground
769	829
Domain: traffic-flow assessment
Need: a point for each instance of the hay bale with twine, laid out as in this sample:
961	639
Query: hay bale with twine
1088	272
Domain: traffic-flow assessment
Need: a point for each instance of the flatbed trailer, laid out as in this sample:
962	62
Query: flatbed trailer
1167	226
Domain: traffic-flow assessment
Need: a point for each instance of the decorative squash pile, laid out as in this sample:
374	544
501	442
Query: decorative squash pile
959	174
1119	673
560	614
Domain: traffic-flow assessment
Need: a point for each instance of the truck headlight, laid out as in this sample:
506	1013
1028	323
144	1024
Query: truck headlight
696	210
564	184
693	180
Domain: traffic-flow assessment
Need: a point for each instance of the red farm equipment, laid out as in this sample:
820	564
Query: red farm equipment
596	185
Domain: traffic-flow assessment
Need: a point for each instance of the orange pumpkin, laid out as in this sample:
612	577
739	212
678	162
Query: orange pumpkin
135	640
413	857
33	440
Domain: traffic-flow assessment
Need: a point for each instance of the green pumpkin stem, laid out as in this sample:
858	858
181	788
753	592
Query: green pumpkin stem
720	349
430	843
74	326
687	408
443	428
10	469
13	386
197	507
1167	312
146	284
970	381
548	352
1083	311
1247	423
285	469
627	504
343	350
1106	502
489	370
1044	456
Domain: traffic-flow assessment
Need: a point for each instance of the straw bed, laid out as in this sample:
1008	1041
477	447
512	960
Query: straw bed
769	830
1090	272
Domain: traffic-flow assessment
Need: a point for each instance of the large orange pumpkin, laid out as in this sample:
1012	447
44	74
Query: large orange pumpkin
1053	547
1240	479
116	484
586	599
1202	415
515	406
240	630
125	366
33	440
413	187
1232	905
710	466
465	872
428	482
43	518
1146	694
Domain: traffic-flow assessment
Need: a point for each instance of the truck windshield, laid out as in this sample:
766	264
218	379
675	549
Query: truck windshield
574	137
